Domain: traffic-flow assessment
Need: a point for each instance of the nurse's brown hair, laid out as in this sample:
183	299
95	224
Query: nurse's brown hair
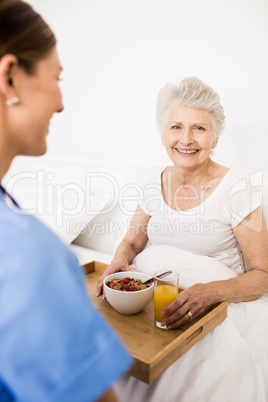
24	33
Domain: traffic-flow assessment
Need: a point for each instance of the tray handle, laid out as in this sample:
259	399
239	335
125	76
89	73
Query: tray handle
194	335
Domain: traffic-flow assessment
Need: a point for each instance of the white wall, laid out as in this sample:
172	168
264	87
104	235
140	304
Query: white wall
117	54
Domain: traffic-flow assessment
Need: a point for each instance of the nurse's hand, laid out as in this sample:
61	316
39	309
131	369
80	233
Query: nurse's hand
190	304
115	266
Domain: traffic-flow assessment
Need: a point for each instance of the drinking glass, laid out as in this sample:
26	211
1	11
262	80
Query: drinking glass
165	291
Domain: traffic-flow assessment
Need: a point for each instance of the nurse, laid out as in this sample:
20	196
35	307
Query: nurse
54	346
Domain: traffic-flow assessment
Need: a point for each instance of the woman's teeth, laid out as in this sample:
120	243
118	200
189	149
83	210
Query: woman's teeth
187	151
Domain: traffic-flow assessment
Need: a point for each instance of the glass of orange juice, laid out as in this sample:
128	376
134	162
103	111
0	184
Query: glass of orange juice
165	291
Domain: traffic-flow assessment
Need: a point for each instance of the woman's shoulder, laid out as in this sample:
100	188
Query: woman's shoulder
235	174
239	189
225	176
233	178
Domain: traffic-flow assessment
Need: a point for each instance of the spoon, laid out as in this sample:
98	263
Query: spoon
159	276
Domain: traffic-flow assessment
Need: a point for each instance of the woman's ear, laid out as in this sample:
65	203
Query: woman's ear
8	71
215	142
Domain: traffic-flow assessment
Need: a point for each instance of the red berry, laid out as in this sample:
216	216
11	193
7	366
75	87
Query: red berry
132	288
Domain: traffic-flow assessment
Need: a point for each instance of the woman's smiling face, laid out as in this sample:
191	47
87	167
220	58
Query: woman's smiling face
39	98
189	136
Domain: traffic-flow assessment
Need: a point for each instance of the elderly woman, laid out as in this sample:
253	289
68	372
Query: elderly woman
222	221
54	345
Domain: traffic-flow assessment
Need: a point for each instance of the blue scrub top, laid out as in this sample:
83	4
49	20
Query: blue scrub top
54	346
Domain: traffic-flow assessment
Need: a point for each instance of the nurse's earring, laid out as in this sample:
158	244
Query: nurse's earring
12	101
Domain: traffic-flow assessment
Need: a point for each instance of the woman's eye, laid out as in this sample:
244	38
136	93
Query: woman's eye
199	128
175	127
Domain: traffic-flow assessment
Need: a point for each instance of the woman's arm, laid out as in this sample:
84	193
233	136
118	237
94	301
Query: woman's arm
132	244
252	237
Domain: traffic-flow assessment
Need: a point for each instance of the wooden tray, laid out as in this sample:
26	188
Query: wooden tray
152	348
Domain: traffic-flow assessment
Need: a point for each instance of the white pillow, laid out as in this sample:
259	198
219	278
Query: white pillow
72	220
192	268
68	215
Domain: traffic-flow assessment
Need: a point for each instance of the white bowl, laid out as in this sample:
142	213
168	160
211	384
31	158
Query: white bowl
128	302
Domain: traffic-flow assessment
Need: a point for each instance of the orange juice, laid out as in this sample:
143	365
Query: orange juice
163	295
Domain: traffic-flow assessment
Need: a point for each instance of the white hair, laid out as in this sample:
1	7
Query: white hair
194	93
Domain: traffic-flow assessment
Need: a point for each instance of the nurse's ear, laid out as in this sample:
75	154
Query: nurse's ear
8	76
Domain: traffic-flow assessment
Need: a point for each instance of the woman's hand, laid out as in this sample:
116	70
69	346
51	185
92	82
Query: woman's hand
188	305
115	266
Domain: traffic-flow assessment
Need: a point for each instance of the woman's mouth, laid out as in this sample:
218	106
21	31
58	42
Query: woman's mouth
187	152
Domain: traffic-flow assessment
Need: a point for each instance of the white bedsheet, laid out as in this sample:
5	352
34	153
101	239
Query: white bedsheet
229	364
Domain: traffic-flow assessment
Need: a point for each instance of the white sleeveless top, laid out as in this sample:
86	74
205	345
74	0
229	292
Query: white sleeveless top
206	229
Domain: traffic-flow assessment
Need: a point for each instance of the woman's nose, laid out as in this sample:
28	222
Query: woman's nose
61	107
186	137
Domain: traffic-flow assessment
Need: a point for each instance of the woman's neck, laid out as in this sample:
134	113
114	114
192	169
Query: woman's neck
6	156
5	148
194	176
4	165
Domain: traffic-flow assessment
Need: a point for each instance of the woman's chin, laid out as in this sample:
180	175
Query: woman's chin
36	151
41	151
185	161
